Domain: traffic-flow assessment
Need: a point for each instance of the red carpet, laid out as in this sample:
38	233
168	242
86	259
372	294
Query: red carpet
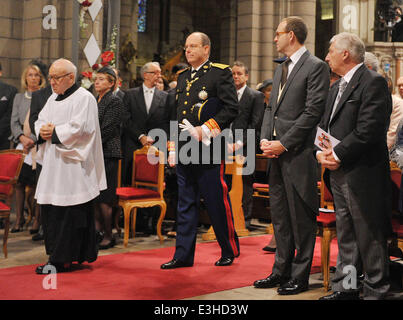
137	275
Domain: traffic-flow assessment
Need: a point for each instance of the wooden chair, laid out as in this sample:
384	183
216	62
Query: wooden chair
148	172
326	230
10	166
233	167
261	190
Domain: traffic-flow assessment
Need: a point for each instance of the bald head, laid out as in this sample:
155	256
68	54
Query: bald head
197	48
62	75
399	84
66	65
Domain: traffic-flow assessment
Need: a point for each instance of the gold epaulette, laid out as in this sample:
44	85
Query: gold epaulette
220	65
180	71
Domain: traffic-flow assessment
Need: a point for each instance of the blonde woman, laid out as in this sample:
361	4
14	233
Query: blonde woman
31	80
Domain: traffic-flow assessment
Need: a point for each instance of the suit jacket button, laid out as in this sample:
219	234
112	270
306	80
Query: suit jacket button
185	102
184	112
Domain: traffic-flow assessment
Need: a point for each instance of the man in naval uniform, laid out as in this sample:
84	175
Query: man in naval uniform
206	99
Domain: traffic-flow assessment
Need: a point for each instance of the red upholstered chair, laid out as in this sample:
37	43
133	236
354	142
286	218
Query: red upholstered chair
326	229
10	166
148	172
396	177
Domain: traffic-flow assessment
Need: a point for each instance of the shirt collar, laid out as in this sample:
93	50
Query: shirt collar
145	88
347	77
197	69
68	92
241	91
297	54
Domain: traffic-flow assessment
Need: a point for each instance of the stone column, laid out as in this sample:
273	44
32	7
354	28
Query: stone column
255	38
307	11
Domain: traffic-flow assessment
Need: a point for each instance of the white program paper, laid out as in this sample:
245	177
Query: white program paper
324	140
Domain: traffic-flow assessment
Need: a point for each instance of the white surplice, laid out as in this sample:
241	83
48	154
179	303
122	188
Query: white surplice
73	172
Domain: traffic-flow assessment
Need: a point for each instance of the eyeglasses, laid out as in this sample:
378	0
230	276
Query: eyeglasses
192	46
278	33
154	72
57	78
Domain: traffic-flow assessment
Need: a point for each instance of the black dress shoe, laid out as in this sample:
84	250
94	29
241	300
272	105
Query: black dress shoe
49	267
294	286
338	295
174	263
224	262
269	249
38	236
33	231
271	281
110	244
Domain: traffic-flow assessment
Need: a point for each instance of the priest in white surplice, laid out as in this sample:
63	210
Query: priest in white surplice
72	170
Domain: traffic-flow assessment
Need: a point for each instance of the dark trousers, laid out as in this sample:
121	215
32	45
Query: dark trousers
195	181
294	226
69	233
359	243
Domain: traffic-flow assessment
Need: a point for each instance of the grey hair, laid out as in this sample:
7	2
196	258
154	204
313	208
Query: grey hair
147	66
351	43
371	60
68	66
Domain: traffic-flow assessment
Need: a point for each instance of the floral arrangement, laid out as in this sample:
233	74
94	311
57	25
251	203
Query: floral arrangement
107	57
84	7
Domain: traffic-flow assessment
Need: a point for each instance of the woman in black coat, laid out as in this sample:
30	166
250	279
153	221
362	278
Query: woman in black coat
110	109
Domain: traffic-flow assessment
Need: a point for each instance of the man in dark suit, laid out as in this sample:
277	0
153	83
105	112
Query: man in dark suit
300	88
117	90
146	109
357	114
7	94
250	116
206	98
39	99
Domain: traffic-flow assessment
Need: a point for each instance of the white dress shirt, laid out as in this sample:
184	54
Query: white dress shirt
148	96
240	92
295	58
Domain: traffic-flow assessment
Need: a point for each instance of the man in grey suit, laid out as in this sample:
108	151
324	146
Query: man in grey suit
297	101
357	114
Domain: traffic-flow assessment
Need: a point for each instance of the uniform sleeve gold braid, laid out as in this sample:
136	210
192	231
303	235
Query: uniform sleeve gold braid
171	146
212	125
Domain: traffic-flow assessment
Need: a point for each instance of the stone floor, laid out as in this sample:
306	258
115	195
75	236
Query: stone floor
23	251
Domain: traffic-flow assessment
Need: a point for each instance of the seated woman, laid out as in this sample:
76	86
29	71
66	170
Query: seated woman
31	80
110	110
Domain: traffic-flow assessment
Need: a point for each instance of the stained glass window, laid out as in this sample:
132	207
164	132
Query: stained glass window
142	17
